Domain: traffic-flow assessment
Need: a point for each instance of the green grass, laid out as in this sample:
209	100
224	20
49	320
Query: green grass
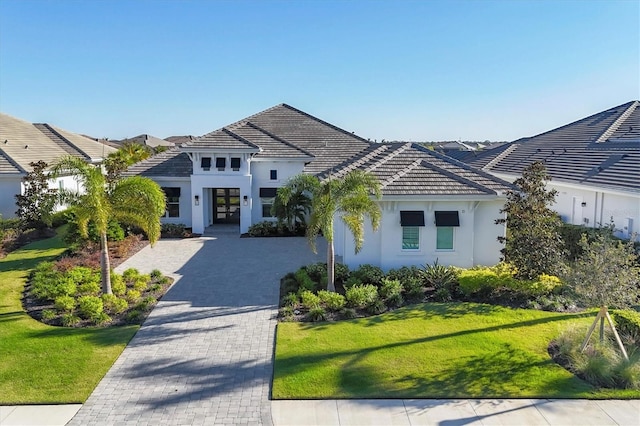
456	350
40	364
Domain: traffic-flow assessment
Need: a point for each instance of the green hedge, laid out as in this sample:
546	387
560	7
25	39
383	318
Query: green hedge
628	323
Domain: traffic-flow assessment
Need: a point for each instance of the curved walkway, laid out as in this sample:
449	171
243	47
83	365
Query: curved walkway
204	355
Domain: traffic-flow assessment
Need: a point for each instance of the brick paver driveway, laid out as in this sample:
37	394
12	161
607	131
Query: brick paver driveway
204	355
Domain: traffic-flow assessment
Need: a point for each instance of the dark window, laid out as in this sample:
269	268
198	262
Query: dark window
268	192
412	218
221	163
235	163
267	203
172	208
274	175
449	218
205	163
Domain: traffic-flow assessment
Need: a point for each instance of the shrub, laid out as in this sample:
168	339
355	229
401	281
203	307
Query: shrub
309	300
442	295
146	304
132	295
286	313
369	274
141	282
90	307
476	281
317	314
406	274
135	316
118	286
304	281
291	300
113	305
69	320
377	307
130	275
47	283
48	314
361	296
173	230
263	229
390	288
289	284
156	274
155	287
439	276
626	374
628	324
413	289
332	301
101	319
351	281
65	303
349	313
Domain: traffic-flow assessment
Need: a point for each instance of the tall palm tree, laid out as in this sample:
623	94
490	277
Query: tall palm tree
133	200
294	212
349	197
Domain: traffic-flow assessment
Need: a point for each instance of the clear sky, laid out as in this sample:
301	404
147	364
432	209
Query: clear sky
394	70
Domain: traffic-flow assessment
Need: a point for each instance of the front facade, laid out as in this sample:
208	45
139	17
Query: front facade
22	143
594	164
230	177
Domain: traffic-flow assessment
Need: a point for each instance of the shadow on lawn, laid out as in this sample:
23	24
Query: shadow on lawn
461	379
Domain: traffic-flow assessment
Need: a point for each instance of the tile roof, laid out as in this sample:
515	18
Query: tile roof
170	163
601	150
285	132
22	143
409	169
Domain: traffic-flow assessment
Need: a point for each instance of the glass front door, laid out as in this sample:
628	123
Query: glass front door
226	205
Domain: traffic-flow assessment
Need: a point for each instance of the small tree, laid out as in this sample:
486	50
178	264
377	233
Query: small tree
606	275
349	197
294	211
533	243
36	205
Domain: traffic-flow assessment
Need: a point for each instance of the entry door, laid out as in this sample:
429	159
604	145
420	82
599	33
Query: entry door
226	205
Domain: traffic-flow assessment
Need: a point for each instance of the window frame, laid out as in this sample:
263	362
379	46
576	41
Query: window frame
415	230
273	174
172	196
439	238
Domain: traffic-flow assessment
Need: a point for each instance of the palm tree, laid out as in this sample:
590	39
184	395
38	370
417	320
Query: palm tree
295	211
350	197
133	200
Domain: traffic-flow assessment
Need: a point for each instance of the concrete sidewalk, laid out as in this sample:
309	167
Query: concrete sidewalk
397	412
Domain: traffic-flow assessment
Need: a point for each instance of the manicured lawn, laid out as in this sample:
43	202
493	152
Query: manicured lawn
41	364
456	350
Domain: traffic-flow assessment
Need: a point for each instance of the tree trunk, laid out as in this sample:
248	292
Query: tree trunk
105	266
331	286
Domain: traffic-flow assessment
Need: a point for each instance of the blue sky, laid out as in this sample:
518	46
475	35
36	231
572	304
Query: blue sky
394	70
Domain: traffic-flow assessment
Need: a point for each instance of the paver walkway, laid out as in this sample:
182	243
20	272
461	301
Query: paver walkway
204	355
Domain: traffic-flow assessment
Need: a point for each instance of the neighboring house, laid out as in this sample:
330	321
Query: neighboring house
433	207
594	164
22	143
147	140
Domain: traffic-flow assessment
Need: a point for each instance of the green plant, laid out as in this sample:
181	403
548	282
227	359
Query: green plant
377	307
304	281
289	284
291	299
390	288
48	314
442	295
286	313
117	284
156	275
132	296
626	373
65	303
113	304
474	281
413	288
332	301
439	276
309	299
90	307
405	274
135	316
36	204
263	229
351	281
47	283
349	313
369	274
317	314
361	296
291	213
533	241
141	282
69	320
101	319
628	324
173	230
146	304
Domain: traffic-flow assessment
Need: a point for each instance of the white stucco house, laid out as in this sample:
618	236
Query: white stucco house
22	143
433	207
594	164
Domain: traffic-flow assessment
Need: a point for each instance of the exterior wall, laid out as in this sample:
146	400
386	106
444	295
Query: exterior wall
9	187
475	240
186	199
593	207
261	178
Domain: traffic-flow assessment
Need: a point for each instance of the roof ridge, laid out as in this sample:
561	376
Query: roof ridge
352	134
240	138
279	139
349	165
401	173
394	153
12	161
459	163
512	147
616	124
61	139
458	177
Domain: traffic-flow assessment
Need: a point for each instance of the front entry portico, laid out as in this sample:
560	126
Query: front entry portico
225	206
